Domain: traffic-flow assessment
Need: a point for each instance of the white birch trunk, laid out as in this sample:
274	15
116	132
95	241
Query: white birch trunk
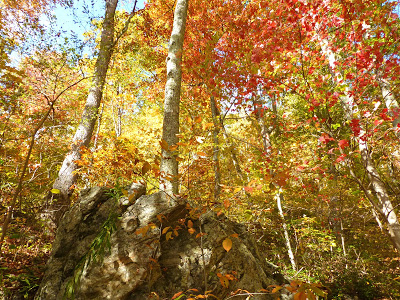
169	181
278	198
351	111
67	175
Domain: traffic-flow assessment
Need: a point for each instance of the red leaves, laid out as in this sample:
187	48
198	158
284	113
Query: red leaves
355	126
343	143
325	138
341	158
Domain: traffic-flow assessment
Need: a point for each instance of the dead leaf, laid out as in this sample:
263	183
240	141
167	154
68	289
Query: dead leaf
227	244
164	145
177	295
146	167
190	224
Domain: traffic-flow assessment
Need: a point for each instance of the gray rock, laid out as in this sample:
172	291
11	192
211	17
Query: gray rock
156	249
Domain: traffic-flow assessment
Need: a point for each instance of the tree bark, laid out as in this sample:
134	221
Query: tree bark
391	103
67	174
351	112
279	198
217	172
169	181
266	139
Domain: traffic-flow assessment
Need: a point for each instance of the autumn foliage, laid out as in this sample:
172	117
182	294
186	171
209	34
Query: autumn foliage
280	73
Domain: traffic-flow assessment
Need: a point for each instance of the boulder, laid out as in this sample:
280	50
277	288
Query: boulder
143	247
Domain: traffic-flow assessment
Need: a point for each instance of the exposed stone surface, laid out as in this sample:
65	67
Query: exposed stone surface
156	250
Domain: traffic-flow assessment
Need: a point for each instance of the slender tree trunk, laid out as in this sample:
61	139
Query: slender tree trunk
232	146
217	171
10	210
279	198
169	181
265	136
67	175
379	188
117	119
351	112
96	137
8	216
266	139
391	103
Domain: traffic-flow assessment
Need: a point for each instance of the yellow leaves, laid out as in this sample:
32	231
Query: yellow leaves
165	230
143	230
131	197
55	191
159	70
227	244
168	236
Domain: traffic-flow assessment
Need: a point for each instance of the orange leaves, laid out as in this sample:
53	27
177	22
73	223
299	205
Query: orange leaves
145	168
191	230
143	230
165	146
225	279
248	189
227	244
177	295
227	203
169	235
302	290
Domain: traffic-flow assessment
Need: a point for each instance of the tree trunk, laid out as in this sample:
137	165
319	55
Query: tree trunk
217	171
279	198
96	137
351	112
266	139
169	181
391	103
67	175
